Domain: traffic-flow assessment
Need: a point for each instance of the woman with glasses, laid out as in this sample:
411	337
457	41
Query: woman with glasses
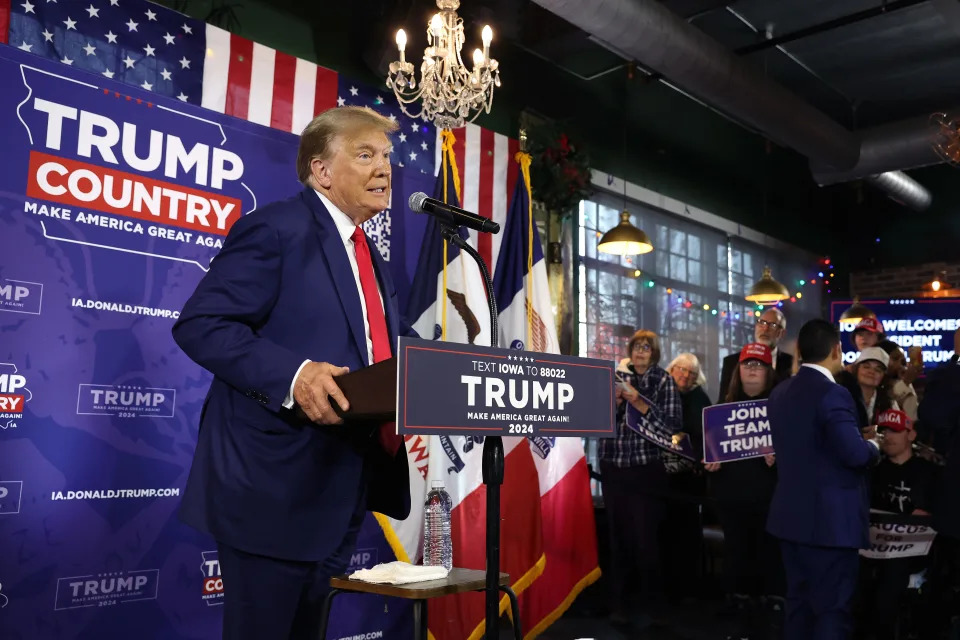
634	480
742	491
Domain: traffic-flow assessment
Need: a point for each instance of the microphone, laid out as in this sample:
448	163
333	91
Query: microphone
420	203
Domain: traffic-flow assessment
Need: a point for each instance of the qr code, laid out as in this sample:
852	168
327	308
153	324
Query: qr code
378	230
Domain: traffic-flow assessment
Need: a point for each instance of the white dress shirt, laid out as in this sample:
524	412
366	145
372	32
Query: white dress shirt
823	370
345	227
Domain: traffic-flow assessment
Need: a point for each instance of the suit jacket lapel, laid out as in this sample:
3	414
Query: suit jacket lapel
335	255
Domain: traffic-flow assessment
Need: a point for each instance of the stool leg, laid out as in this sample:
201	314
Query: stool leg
514	611
420	625
325	614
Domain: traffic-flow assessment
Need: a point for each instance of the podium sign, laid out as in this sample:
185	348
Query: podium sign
446	388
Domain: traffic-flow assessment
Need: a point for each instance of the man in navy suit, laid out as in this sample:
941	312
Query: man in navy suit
296	297
820	508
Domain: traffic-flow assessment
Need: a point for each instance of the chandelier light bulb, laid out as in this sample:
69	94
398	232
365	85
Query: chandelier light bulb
935	285
402	44
448	93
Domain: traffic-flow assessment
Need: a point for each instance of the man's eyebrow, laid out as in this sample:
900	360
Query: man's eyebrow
368	147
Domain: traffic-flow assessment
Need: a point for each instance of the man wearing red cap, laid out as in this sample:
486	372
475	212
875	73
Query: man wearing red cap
902	483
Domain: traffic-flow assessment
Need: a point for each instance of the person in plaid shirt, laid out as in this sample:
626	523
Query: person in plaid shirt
634	480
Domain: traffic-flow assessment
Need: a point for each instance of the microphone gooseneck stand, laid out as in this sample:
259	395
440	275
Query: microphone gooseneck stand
492	469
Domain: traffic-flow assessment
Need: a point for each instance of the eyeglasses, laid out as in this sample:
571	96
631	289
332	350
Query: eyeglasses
686	372
752	364
643	347
770	325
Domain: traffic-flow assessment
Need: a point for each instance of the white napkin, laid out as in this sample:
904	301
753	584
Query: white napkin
399	573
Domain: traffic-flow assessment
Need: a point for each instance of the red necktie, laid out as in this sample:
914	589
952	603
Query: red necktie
379	335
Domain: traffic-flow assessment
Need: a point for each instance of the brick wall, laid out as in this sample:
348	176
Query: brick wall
905	281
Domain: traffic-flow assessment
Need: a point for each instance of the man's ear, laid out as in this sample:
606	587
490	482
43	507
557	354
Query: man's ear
837	351
320	170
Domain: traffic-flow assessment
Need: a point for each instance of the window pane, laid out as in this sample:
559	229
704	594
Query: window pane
748	266
678	242
678	268
693	272
608	218
736	263
738	290
662	235
590	242
693	246
663	263
608	284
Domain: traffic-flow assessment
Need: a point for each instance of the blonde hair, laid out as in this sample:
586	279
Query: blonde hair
318	136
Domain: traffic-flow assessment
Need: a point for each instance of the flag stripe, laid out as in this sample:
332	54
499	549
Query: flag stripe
503	166
215	66
485	189
238	77
284	77
261	84
471	173
4	20
304	93
325	96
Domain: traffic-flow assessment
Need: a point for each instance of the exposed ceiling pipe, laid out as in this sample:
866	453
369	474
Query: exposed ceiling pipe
659	39
651	34
907	144
903	189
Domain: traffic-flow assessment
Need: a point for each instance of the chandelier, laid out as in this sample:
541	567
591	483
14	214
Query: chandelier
450	94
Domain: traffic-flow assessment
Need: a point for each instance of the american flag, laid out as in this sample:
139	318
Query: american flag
414	143
155	48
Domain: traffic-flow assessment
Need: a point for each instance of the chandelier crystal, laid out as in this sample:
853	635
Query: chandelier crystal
450	95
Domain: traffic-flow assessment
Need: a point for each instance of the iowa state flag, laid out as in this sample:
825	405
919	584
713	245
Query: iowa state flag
566	506
457	460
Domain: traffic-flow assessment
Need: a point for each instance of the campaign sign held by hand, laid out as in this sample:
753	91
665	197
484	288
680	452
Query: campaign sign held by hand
677	443
446	388
736	431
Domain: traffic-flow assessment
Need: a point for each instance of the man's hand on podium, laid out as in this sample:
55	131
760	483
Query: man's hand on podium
313	385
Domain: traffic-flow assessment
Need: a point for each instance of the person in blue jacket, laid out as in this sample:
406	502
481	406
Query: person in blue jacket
297	296
820	507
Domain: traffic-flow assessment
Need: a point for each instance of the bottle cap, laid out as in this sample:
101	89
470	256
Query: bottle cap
437	484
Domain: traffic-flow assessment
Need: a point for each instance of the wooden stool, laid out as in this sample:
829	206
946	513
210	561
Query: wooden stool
457	581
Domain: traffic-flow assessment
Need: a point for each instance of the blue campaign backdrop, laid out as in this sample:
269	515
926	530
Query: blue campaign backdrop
113	202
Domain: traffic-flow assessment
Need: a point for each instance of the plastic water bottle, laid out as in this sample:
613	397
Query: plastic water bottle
437	543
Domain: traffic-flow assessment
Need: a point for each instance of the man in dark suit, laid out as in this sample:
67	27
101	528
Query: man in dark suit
820	507
770	327
296	297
